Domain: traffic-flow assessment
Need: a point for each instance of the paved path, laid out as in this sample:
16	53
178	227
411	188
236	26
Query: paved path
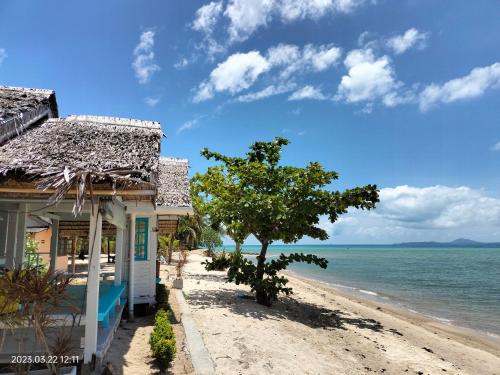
202	361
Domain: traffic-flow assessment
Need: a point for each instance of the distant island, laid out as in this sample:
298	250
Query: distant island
460	242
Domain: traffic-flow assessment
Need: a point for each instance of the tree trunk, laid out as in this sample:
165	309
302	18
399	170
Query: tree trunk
260	294
237	247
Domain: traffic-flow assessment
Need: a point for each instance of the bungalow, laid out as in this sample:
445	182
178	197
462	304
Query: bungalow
85	175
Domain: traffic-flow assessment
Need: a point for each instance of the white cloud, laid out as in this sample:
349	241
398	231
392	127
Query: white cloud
310	58
323	57
407	213
207	17
496	147
283	54
144	65
246	16
411	38
3	55
475	84
188	125
369	79
270	90
238	72
152	101
307	92
243	17
181	64
437	206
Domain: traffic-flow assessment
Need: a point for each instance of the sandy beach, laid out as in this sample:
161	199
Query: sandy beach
319	330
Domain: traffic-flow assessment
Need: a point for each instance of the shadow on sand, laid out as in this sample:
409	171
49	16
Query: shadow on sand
288	308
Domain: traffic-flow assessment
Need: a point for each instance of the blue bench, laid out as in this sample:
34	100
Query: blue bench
109	297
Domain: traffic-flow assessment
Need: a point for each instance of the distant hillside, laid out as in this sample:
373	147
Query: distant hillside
460	242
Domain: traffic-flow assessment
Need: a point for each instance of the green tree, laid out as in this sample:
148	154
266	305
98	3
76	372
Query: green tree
189	230
33	259
256	195
210	238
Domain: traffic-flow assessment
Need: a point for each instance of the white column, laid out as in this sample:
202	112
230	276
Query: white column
54	243
21	235
92	297
119	243
131	278
10	242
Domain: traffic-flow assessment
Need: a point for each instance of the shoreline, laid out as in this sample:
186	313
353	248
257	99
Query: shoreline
321	330
465	335
482	323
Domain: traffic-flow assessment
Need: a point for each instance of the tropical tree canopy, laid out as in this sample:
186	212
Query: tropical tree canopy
256	195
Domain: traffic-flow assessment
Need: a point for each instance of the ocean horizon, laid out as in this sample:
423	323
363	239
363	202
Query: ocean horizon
455	285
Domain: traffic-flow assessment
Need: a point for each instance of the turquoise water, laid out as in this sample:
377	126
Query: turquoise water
456	285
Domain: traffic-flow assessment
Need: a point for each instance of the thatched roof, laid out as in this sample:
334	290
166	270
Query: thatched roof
22	107
173	183
14	101
78	151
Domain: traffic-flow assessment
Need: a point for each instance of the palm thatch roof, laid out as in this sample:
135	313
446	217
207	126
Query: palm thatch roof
79	151
21	108
173	183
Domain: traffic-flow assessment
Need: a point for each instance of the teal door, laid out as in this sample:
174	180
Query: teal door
141	238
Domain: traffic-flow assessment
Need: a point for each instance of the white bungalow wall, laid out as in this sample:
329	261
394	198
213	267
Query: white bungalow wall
144	270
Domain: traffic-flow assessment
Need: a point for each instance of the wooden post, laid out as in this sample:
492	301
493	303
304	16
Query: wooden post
107	242
54	243
118	256
92	297
131	279
73	254
10	247
21	235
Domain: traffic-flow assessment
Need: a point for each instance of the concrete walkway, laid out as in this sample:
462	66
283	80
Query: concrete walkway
200	357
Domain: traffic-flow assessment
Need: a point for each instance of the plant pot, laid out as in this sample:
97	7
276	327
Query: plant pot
178	283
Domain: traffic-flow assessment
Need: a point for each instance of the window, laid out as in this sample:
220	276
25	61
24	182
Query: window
141	238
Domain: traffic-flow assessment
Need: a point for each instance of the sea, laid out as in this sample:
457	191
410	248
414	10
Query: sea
459	286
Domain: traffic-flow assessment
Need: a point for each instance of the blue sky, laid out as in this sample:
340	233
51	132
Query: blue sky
404	94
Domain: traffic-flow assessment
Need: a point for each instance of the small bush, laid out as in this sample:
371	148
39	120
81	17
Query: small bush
219	262
164	352
162	297
162	340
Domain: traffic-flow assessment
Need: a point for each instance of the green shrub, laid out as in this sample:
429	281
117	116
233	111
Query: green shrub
164	352
219	262
162	340
162	297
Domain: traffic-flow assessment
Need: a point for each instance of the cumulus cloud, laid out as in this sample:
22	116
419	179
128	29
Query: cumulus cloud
438	206
292	59
243	17
241	70
207	17
152	101
3	55
473	85
238	72
246	16
407	213
144	64
307	92
369	79
411	38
